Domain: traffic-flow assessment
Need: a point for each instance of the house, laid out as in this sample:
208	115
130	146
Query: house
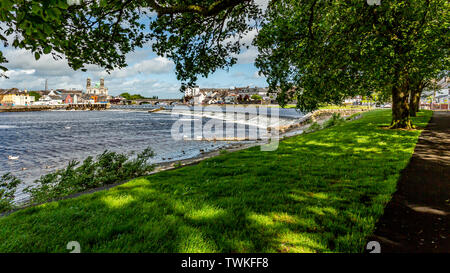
52	98
230	98
199	98
67	99
198	95
7	96
23	99
192	91
76	98
15	97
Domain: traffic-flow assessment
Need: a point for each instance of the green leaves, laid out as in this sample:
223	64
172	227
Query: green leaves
312	51
199	45
108	168
47	49
8	187
97	35
335	49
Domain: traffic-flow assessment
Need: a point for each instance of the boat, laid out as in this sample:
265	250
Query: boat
10	157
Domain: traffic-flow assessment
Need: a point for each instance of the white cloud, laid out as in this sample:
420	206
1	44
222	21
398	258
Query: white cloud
14	73
158	65
248	56
22	59
139	77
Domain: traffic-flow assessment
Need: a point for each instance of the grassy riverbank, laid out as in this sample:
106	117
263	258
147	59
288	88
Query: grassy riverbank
342	107
319	192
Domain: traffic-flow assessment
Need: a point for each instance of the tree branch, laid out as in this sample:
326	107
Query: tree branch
210	10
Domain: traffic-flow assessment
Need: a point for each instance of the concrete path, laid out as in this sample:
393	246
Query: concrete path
417	219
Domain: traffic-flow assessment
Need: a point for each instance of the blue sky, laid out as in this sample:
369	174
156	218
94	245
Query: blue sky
146	73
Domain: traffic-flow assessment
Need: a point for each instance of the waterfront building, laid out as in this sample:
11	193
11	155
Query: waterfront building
198	95
15	97
68	99
23	99
52	98
199	98
192	91
98	89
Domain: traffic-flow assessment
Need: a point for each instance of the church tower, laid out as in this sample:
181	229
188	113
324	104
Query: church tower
102	83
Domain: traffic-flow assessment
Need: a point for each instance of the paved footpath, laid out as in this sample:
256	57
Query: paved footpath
417	219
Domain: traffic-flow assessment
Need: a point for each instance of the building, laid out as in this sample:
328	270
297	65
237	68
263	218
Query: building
52	98
68	99
196	95
15	97
199	98
438	92
192	91
98	89
6	96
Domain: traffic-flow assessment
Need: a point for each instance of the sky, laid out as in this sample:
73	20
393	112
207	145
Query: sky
146	74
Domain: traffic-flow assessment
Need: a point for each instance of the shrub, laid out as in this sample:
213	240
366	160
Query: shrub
336	119
8	187
314	127
108	168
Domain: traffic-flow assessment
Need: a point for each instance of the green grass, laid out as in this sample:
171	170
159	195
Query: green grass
332	107
344	107
319	192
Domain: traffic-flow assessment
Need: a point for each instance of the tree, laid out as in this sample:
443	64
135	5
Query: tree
36	95
321	50
126	96
197	35
256	97
328	50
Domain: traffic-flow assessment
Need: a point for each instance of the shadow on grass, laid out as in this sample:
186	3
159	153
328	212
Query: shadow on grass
319	192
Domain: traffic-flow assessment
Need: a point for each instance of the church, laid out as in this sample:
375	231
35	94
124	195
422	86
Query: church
98	89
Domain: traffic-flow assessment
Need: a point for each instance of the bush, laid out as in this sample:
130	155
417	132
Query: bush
314	127
256	97
8	187
109	168
336	119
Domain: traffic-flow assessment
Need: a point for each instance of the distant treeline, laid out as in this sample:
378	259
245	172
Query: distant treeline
128	96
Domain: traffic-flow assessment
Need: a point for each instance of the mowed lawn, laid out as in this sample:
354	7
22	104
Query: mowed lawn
319	192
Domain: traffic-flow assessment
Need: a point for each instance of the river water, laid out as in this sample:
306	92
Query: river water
48	140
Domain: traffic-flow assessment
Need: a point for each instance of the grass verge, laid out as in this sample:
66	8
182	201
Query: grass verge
318	192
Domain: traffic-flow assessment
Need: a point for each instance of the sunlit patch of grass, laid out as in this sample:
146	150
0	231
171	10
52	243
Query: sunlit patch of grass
117	201
318	192
205	213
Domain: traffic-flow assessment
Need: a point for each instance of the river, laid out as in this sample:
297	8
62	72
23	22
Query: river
48	140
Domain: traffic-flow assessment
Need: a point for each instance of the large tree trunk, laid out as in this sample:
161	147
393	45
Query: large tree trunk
414	101
400	108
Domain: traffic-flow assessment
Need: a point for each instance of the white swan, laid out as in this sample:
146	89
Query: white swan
67	127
